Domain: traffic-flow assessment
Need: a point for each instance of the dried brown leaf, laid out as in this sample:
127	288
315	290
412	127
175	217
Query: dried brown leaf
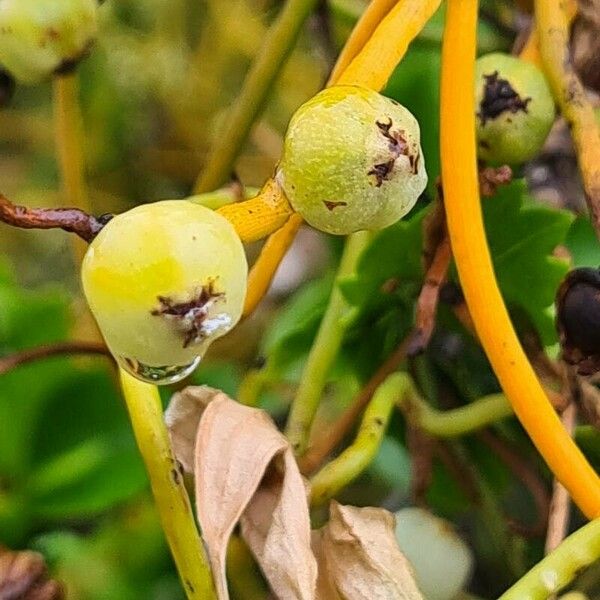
276	527
244	469
325	584
182	418
363	558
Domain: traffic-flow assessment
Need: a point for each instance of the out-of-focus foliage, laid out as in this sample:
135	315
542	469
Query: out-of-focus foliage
155	92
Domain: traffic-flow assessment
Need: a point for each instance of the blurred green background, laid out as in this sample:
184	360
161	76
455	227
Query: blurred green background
154	93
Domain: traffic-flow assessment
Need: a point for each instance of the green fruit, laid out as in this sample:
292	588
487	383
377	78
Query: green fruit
39	37
352	161
163	281
515	109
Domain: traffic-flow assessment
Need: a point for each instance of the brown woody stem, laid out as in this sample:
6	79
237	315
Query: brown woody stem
72	220
12	361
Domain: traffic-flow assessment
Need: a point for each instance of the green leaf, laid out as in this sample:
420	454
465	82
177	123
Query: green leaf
583	243
27	318
84	453
290	335
522	236
394	254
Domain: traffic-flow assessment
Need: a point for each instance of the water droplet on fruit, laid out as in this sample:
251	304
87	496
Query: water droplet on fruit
163	375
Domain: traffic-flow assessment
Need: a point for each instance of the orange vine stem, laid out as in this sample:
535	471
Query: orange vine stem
257	217
387	24
552	18
265	267
363	30
375	63
472	256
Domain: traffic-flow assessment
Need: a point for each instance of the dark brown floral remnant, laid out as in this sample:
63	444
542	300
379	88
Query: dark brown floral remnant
499	96
578	319
190	315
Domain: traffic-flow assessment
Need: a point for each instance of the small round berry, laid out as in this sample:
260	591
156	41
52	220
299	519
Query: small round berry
515	109
163	281
40	37
352	161
578	319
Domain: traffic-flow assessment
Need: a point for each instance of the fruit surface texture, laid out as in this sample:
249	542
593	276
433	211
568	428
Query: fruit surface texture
352	161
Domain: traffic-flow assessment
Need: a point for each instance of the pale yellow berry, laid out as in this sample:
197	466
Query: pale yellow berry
163	281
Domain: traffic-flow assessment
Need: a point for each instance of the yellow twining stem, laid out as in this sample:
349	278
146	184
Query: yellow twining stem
258	217
69	145
363	30
265	267
553	29
469	244
358	64
375	63
168	488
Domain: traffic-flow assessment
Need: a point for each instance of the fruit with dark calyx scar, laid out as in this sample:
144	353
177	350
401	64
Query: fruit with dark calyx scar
352	161
41	37
515	109
164	280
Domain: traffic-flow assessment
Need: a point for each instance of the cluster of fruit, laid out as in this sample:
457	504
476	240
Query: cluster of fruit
166	279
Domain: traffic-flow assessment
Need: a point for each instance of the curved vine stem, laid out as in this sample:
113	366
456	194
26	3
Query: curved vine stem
69	142
531	50
323	352
277	46
579	550
356	458
266	265
363	30
375	63
471	252
170	495
399	389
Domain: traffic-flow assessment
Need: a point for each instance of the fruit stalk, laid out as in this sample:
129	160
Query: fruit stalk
69	143
552	21
471	252
171	499
375	63
257	217
372	16
323	352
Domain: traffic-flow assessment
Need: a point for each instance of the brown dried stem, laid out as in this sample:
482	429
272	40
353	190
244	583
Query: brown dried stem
72	220
316	453
8	363
558	518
